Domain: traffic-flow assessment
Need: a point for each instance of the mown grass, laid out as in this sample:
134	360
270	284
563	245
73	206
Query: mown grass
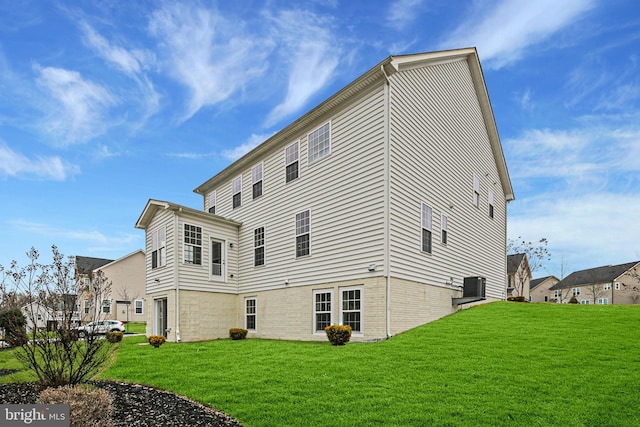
497	364
136	327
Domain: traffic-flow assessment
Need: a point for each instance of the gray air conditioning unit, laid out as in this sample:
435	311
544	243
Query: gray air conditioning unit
474	287
472	291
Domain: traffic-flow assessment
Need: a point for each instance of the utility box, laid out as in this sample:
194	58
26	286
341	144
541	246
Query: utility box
474	287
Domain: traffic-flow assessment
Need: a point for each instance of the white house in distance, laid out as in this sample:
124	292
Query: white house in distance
372	210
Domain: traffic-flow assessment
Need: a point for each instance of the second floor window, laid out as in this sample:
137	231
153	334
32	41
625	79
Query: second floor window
320	143
237	192
427	219
256	175
303	226
192	244
490	204
292	157
212	202
476	191
258	244
158	248
443	227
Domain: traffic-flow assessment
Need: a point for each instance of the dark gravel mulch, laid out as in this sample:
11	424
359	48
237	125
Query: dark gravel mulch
135	405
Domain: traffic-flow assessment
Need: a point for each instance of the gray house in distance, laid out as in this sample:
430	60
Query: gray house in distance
374	210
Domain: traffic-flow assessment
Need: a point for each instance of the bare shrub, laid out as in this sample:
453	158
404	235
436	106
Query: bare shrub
88	406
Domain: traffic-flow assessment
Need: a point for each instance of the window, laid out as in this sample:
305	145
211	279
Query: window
292	155
557	293
303	225
617	286
106	306
443	229
490	203
319	143
87	281
476	191
584	301
256	176
212	202
217	261
192	244
138	304
352	309
603	300
258	246
158	248
546	298
250	314
427	215
237	192
607	286
322	309
576	291
87	306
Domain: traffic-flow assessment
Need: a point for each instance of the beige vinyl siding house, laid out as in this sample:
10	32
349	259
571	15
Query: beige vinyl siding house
128	288
539	289
610	284
519	276
365	211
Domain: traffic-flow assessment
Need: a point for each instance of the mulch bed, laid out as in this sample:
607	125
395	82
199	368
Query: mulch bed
135	405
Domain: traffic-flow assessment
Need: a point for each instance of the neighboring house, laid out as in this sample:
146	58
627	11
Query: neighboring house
611	284
519	276
125	298
539	289
62	311
371	210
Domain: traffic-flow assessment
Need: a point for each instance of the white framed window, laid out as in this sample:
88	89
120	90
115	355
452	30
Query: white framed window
256	178
106	306
427	220
158	247
236	186
250	313
546	298
444	231
319	142
87	306
292	160
322	309
351	308
575	291
585	301
476	191
607	286
303	232
557	293
258	246
192	244
490	203
603	300
617	286
212	202
217	260
138	306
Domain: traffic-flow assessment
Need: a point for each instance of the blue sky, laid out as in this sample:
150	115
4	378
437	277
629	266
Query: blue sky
104	105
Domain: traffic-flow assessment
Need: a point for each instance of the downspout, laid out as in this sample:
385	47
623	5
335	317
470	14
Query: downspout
176	272
387	199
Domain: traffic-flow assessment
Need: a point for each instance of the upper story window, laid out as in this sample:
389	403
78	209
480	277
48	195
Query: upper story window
158	248
192	244
258	246
292	157
575	291
617	286
476	191
237	191
443	229
303	227
256	177
427	219
212	202
607	286
319	143
490	203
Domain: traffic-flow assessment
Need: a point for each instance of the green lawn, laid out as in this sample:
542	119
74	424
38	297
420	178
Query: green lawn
497	364
135	327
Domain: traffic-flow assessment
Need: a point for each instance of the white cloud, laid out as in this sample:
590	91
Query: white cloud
243	149
402	13
207	53
14	164
81	113
503	33
312	54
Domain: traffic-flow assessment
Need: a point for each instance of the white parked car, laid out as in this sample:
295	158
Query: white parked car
100	327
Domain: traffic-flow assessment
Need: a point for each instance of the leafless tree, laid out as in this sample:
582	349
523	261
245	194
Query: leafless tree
125	295
536	253
633	289
51	294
